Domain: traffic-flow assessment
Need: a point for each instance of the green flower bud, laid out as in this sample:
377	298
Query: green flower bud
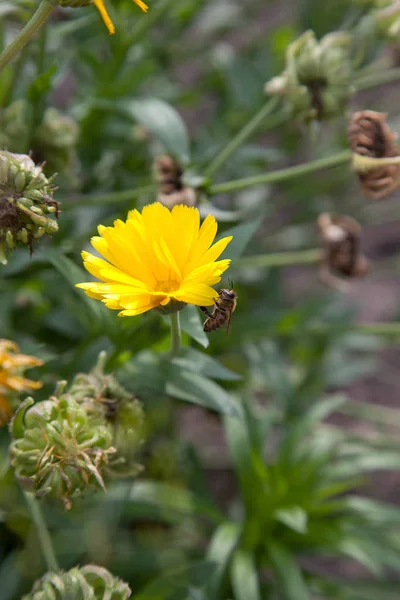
90	582
26	204
55	140
14	132
57	450
316	83
106	401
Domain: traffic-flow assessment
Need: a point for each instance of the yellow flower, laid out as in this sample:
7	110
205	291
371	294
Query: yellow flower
12	365
105	16
156	257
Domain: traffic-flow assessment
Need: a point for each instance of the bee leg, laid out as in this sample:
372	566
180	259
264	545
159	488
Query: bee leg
205	310
326	277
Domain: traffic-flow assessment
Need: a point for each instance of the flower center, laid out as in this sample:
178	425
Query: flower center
167	286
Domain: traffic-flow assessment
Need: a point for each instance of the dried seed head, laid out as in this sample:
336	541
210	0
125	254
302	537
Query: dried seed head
27	208
171	190
80	583
104	399
341	235
57	450
316	83
370	137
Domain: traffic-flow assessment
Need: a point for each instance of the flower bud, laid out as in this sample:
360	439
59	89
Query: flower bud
316	83
105	400
14	130
55	140
171	190
57	450
12	381
375	155
26	205
80	583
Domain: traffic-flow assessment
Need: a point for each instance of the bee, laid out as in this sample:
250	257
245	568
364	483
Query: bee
342	255
168	174
222	312
369	135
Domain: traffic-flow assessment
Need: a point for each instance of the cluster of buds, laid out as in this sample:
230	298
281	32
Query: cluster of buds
376	158
104	399
12	381
80	583
65	445
342	256
27	208
57	450
53	140
317	81
171	189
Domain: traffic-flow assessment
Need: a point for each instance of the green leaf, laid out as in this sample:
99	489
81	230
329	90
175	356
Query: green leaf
376	512
192	324
290	580
175	583
204	364
42	84
222	545
245	581
192	387
294	517
242	235
162	121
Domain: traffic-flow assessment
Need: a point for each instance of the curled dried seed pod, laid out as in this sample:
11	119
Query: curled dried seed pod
342	255
171	190
374	153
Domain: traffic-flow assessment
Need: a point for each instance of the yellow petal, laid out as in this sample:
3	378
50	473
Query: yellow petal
142	5
99	4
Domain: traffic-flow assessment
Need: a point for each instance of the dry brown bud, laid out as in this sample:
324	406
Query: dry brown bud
371	137
171	190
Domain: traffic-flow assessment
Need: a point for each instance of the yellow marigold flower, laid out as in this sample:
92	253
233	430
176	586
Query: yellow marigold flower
12	366
106	17
156	257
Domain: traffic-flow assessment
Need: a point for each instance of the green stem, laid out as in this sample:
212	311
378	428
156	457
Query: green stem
282	174
280	259
38	19
46	545
375	79
241	137
175	335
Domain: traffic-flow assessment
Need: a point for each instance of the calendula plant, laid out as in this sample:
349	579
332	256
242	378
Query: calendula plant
200	136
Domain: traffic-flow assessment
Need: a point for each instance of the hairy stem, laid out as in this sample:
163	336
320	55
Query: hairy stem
38	19
282	174
46	544
241	137
175	335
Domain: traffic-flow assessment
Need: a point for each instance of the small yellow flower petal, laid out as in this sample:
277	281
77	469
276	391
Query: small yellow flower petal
155	257
142	5
99	4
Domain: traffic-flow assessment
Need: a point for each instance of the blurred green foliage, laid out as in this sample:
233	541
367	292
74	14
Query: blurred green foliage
185	78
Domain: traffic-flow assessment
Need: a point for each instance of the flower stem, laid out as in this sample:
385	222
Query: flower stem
46	545
175	335
280	259
241	137
282	174
367	82
38	19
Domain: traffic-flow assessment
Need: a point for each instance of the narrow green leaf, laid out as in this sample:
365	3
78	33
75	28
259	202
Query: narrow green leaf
294	517
220	550
242	235
42	84
289	578
202	363
192	324
245	582
192	387
176	582
163	121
